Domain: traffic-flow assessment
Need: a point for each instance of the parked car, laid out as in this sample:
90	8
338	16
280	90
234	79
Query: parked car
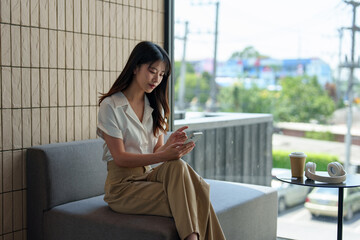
324	202
289	195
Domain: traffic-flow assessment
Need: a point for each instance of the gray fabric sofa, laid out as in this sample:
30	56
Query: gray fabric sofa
65	187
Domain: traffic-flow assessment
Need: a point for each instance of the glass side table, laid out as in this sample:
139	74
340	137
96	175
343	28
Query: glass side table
352	180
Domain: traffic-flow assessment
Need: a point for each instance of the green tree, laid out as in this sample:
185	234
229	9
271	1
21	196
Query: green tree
303	99
177	67
239	99
195	86
247	53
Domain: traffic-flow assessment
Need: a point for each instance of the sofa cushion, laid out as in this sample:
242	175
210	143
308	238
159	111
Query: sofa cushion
240	209
68	169
92	219
60	173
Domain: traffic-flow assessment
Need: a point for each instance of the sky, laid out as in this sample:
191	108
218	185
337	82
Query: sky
280	29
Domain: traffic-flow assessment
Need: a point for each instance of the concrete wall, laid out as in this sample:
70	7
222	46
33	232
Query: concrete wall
234	147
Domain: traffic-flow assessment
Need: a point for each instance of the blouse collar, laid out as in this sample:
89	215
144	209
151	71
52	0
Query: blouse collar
120	100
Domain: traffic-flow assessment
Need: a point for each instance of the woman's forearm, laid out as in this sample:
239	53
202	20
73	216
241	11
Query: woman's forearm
126	159
161	153
160	148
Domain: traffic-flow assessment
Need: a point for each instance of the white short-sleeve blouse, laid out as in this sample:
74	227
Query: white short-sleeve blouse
116	118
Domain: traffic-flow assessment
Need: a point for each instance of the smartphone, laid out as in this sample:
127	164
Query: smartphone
194	137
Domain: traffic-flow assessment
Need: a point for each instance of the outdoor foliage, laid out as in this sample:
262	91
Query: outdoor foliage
301	99
247	53
281	160
327	136
195	86
177	67
239	99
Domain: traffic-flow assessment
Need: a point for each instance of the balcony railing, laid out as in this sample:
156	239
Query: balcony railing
235	146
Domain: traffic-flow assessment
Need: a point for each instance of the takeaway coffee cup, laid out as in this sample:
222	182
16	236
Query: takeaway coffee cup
297	162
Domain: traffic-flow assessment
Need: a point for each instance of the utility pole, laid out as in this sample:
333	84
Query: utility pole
349	93
213	89
338	80
181	103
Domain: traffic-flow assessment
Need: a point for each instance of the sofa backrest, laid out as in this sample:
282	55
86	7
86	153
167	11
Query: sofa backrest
62	172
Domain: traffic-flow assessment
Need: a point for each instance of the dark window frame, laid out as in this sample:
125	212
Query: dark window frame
169	48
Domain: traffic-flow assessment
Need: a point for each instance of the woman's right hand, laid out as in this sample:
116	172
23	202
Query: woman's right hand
179	136
177	150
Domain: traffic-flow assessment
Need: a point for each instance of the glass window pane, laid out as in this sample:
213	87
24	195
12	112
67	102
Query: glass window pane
264	79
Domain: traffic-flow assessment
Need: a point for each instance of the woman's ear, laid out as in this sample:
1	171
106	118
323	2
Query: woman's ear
136	70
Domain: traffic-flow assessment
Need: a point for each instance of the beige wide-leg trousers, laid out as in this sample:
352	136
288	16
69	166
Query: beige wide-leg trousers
172	189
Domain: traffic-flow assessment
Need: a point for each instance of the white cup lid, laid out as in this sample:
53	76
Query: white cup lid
297	154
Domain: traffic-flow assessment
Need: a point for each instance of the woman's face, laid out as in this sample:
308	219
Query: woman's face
148	77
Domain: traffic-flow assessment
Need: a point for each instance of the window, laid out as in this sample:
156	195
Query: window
273	59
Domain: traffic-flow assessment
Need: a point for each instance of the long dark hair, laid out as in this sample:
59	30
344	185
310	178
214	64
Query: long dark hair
147	53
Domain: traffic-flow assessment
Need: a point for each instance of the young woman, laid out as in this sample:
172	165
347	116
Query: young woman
132	120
